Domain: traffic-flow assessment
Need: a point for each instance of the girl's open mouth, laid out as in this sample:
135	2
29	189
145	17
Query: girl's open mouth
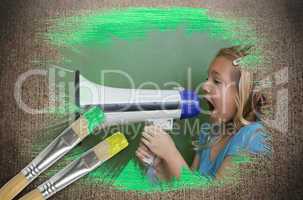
211	106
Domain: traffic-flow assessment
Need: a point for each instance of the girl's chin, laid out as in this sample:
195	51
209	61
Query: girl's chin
215	118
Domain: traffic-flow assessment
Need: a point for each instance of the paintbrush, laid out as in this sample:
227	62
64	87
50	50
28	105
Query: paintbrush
92	159
68	139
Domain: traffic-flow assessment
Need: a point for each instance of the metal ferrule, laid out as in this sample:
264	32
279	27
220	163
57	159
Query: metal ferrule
53	152
69	174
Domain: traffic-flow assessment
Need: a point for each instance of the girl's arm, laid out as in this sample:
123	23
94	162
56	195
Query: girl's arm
174	162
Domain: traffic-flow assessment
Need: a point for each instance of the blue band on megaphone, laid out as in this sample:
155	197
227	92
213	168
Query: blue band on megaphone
190	104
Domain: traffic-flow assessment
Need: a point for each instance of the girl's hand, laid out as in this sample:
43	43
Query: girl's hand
144	155
159	142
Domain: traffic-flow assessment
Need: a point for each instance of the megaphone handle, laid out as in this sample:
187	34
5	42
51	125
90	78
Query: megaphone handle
151	171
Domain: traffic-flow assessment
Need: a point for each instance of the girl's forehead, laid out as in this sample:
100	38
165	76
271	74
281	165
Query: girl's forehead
223	67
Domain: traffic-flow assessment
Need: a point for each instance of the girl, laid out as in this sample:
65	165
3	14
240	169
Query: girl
233	107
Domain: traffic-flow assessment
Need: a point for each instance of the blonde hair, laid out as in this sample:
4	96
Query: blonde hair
246	102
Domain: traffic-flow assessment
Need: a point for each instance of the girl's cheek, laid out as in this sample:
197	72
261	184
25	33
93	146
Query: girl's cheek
231	109
226	106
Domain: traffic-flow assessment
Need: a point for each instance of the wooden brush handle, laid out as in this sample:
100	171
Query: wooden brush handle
13	187
33	195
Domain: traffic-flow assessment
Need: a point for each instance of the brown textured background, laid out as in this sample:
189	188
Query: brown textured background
278	19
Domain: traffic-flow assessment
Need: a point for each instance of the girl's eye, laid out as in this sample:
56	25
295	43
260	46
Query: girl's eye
217	81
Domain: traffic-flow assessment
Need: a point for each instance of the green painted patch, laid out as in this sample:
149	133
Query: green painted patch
131	178
77	33
132	23
94	117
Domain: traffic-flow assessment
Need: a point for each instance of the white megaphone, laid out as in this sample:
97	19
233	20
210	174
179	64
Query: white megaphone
136	105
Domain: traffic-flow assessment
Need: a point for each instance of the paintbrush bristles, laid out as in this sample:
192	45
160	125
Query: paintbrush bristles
80	127
110	146
116	142
102	151
13	187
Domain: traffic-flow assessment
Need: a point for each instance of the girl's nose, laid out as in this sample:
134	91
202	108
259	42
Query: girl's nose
206	88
